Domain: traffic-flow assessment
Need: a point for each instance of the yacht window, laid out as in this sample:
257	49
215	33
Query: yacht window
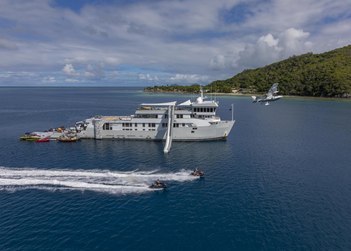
106	126
147	116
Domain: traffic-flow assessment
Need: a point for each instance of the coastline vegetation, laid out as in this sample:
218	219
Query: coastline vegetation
318	75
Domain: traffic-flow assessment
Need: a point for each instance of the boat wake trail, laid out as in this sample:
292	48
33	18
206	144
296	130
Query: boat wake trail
113	182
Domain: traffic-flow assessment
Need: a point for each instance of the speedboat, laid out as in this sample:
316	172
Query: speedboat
29	137
42	140
158	185
198	173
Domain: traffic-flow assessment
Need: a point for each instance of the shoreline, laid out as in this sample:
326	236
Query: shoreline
249	95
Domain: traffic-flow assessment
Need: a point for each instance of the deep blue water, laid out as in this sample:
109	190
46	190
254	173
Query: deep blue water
282	180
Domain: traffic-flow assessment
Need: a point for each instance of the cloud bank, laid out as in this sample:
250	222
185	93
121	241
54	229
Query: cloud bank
159	42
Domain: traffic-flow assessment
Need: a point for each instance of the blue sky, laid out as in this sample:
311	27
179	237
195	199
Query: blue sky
149	42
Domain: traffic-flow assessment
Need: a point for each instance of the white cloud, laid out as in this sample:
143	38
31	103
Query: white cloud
49	79
294	41
5	74
94	71
218	62
264	51
200	44
148	77
268	49
71	80
69	70
268	41
188	78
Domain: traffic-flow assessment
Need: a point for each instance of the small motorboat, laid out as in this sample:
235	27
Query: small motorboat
42	140
198	173
68	139
29	137
158	185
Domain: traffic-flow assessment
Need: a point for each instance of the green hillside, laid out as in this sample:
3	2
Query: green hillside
320	75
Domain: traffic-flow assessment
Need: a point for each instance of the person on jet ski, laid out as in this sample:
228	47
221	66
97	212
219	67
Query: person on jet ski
197	172
158	184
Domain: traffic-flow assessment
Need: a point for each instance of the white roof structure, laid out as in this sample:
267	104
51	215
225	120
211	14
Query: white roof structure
160	104
186	103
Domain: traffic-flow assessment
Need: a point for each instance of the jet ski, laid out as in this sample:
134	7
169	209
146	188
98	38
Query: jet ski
158	185
197	172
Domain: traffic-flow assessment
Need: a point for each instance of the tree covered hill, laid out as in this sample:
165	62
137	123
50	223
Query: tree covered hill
321	75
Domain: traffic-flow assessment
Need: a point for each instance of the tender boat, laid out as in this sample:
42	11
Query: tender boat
67	139
42	140
30	137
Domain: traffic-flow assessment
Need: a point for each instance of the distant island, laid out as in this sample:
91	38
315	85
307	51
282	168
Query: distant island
318	75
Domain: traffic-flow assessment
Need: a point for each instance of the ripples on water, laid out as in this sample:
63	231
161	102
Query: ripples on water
280	181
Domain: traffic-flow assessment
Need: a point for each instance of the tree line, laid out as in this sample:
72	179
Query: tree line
320	75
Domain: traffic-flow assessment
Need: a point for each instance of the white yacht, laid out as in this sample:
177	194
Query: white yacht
187	121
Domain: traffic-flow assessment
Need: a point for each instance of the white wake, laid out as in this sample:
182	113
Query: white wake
114	182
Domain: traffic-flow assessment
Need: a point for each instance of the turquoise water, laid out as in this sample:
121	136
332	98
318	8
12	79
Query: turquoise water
280	182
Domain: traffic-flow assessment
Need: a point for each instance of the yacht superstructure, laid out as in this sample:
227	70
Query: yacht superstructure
187	121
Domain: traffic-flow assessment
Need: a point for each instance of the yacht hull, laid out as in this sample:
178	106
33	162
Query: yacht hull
218	131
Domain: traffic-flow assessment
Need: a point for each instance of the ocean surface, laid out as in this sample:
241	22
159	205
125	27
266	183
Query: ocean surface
281	181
